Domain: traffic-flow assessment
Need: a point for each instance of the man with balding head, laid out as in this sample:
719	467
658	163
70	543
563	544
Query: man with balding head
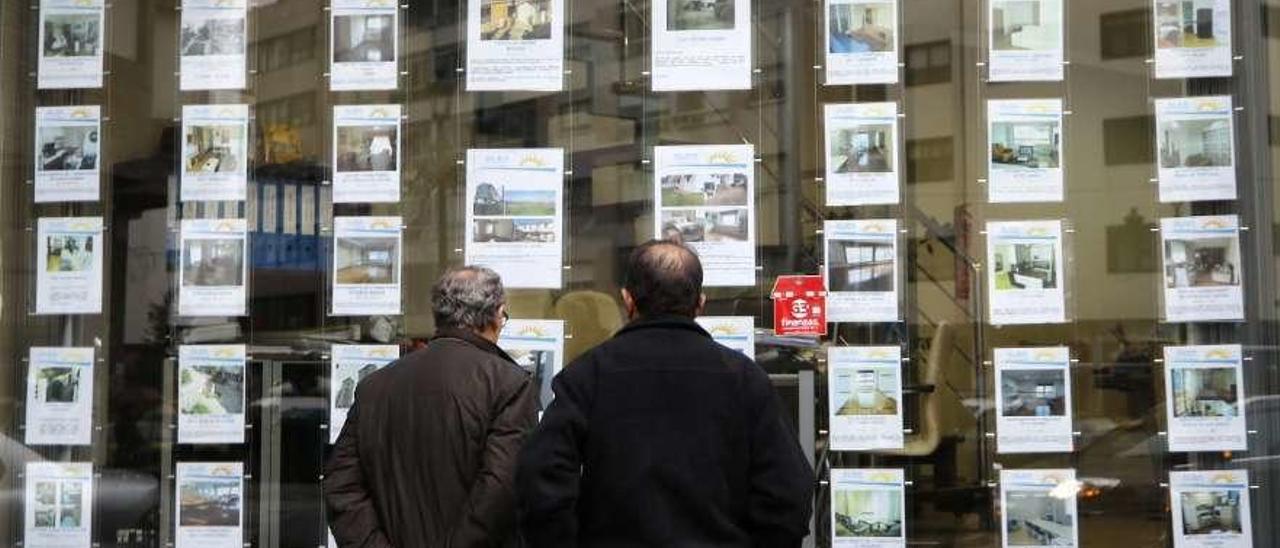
662	437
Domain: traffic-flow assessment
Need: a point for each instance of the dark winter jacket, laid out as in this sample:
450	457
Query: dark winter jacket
427	455
661	437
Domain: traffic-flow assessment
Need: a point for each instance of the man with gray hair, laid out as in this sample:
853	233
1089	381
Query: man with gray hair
427	455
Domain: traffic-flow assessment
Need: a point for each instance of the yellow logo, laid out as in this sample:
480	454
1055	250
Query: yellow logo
882	477
222	470
84	224
225	352
1044	354
879	353
532	331
1222	353
1223	477
80	112
722	157
1214	222
1038	231
228	225
382	223
381	352
1211	104
532	160
380	112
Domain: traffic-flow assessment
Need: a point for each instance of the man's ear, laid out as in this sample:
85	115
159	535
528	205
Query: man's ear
628	302
702	304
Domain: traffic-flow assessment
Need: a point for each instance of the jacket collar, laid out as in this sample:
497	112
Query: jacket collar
664	322
472	339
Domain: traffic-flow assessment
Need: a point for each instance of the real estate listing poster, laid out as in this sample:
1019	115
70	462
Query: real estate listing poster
736	332
862	42
1025	139
212	44
862	270
515	45
364	46
367	255
69	265
211	278
1210	509
211	393
537	346
348	365
864	397
1033	389
1193	38
58	499
1202	269
59	396
1039	507
366	153
705	196
71	44
1197	153
210	505
1026	40
701	44
1204	398
868	508
862	153
1024	265
215	152
515	214
68	142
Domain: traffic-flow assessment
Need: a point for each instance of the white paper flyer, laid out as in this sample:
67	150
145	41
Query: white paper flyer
67	154
705	196
366	153
58	499
71	44
1026	40
1033	388
348	365
736	332
215	152
864	397
212	44
862	153
1039	508
1202	268
211	393
861	267
1197	149
868	508
59	396
365	47
701	45
1025	139
1204	398
515	214
862	42
210	505
515	45
537	346
1210	509
1024	265
1193	38
69	265
211	278
367	254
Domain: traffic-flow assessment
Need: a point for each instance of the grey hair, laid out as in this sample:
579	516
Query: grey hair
467	298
